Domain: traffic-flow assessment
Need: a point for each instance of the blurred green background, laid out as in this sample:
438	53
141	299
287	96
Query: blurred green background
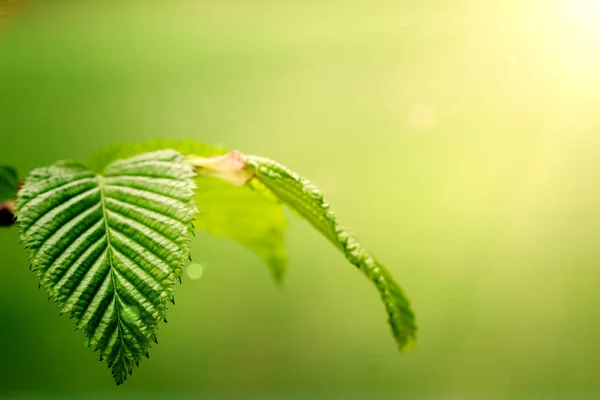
460	140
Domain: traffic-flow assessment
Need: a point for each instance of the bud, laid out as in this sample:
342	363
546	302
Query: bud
7	213
230	167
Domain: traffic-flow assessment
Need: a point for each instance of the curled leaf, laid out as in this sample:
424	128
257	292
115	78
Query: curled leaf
306	199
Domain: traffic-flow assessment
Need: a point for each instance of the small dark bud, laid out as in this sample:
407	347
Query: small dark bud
7	213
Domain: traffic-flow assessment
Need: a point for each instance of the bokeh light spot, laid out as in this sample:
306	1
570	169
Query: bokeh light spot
422	117
194	271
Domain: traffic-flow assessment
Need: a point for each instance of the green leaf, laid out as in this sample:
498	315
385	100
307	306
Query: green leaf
109	248
239	213
305	198
9	182
101	158
246	217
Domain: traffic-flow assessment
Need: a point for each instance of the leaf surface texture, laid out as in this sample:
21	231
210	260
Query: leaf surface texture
110	247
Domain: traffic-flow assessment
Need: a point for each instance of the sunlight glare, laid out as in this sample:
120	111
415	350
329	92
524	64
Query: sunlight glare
586	15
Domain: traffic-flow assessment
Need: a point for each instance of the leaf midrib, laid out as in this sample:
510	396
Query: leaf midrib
116	298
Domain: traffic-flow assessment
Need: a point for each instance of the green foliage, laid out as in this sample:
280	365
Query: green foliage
243	215
109	242
238	213
9	181
305	198
101	158
109	248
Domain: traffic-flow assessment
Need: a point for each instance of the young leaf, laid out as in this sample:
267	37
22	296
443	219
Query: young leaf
103	157
9	181
244	216
238	213
305	198
109	248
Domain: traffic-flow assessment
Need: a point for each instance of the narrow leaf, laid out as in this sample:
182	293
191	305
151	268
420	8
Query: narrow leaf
306	199
110	247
